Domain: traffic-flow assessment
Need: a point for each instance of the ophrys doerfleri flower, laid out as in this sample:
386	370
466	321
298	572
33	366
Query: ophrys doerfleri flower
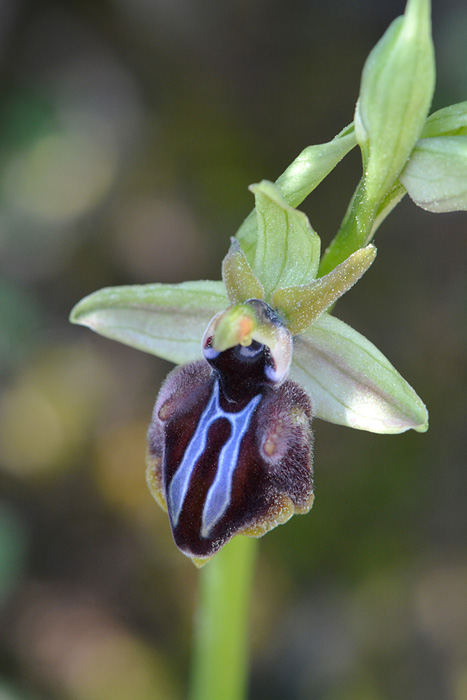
230	443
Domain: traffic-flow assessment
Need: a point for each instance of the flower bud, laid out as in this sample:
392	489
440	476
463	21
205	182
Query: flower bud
395	96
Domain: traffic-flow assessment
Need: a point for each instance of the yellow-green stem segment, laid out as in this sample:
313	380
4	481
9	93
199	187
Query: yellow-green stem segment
221	637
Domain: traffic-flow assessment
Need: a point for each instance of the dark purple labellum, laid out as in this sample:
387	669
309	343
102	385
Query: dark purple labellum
229	451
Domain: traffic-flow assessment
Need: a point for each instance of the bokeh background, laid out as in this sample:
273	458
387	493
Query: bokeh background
129	132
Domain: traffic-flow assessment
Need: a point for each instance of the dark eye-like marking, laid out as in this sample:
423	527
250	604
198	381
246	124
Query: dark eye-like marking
208	350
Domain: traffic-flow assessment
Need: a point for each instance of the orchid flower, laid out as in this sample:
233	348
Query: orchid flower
261	352
230	443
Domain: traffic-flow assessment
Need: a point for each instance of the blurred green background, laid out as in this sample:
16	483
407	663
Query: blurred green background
129	132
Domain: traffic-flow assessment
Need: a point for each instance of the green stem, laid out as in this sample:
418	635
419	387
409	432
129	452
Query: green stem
354	233
220	663
362	219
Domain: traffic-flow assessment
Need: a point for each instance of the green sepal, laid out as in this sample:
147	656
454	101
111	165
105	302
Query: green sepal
395	96
350	382
301	306
302	176
287	251
436	175
449	121
167	320
240	281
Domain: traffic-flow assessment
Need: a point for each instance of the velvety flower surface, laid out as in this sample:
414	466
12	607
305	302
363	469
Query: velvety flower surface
230	444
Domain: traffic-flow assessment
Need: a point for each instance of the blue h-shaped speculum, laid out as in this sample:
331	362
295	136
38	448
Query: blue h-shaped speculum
218	496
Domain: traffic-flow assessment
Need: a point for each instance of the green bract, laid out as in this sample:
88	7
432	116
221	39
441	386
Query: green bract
424	173
449	121
395	95
436	174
